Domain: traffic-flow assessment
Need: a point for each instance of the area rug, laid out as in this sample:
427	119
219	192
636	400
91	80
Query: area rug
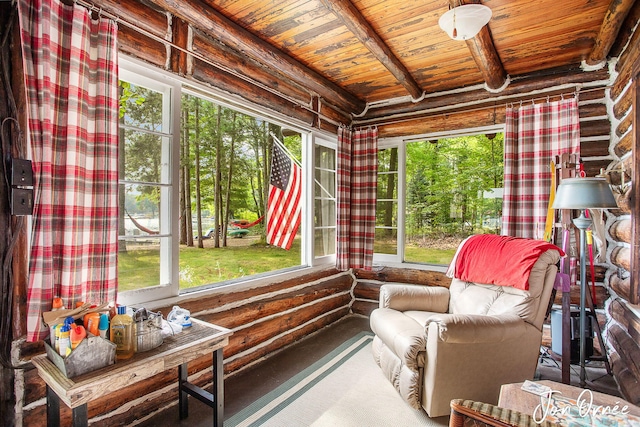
343	389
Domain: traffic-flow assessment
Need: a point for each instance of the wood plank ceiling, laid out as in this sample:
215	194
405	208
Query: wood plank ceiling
358	52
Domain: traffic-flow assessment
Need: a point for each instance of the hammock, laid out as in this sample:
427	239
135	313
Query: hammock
236	223
140	226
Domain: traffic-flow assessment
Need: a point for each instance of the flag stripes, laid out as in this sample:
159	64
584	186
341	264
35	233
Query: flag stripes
283	206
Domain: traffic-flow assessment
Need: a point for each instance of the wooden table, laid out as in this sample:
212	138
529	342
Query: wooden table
513	397
200	339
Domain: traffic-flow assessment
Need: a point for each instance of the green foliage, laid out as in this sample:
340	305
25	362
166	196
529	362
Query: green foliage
446	182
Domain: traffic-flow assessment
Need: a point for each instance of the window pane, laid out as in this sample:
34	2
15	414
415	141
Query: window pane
141	107
138	263
141	210
454	189
325	213
324	241
142	157
386	241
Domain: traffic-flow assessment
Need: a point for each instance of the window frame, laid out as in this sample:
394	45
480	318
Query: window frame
131	69
169	208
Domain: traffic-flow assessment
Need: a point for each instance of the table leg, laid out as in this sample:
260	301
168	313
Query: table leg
53	408
80	416
183	401
218	388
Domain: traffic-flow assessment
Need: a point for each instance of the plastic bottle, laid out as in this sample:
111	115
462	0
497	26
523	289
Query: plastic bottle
103	325
91	322
64	343
57	304
76	335
122	334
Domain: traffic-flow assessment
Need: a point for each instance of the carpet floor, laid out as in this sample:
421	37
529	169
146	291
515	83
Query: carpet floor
345	388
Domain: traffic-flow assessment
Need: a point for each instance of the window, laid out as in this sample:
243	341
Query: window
386	239
147	226
194	180
454	189
324	185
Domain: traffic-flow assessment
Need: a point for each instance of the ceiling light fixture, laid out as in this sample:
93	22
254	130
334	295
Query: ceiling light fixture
465	21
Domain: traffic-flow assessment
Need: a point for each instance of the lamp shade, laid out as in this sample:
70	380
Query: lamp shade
584	193
466	19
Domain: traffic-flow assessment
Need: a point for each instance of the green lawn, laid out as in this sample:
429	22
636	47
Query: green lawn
139	268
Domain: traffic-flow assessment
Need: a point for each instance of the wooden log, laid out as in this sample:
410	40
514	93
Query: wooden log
364	32
593	167
443	122
624	125
634	195
257	333
178	63
620	257
595	128
611	24
283	341
523	88
486	57
601	295
594	148
624	145
626	61
626	348
626	31
404	275
628	320
621	286
623	199
236	317
363	307
145	48
365	289
592	110
215	24
199	305
137	13
620	230
623	104
217	52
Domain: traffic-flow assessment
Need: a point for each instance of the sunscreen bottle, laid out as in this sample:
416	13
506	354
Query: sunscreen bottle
77	334
122	334
65	342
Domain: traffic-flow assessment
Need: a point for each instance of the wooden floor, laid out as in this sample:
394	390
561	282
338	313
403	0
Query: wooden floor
243	388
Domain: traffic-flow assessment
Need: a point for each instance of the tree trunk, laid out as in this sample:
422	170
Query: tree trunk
217	195
187	183
229	179
197	167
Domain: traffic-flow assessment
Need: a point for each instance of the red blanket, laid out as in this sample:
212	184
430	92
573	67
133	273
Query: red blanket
499	260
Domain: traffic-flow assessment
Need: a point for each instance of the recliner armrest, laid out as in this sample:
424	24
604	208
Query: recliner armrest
476	328
404	297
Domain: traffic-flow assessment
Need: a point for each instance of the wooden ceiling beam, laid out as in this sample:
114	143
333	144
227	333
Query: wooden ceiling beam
613	20
221	28
485	55
358	25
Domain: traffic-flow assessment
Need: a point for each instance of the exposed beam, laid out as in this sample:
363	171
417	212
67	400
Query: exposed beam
358	25
486	57
218	26
617	12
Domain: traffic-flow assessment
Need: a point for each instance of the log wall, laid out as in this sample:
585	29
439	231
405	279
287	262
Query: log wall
264	319
623	317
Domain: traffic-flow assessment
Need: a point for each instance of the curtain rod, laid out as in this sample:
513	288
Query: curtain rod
486	107
101	12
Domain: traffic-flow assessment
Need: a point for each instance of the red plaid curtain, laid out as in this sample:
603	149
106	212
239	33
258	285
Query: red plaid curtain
534	135
71	77
357	183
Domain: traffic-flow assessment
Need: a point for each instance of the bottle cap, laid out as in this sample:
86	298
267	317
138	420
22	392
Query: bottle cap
104	322
65	328
122	309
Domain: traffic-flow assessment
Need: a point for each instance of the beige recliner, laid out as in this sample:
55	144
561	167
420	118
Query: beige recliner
436	344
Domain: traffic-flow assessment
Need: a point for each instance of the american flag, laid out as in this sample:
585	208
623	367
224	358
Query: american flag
283	207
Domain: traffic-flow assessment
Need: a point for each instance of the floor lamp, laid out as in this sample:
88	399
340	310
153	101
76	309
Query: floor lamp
583	194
